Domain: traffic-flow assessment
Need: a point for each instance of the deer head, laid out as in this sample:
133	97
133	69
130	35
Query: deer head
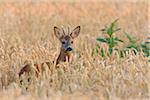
66	39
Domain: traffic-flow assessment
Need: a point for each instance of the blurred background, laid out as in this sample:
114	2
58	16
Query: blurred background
30	21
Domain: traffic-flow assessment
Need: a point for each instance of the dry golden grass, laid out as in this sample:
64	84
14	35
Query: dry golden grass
26	35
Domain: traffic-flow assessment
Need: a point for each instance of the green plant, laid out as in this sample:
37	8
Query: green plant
132	42
146	47
110	39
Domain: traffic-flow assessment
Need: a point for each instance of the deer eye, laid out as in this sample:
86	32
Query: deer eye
71	42
63	42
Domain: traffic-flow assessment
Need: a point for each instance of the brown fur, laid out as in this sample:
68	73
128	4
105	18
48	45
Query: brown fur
64	55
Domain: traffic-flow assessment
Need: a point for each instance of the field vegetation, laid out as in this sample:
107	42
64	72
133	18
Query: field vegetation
110	58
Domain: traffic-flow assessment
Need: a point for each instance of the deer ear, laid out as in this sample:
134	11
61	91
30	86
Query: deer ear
75	32
58	33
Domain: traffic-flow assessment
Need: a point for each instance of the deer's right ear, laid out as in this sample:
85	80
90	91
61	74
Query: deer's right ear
58	32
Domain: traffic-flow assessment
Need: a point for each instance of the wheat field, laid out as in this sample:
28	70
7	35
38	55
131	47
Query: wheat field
26	35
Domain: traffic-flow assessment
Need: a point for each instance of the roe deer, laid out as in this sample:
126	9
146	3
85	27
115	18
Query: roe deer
65	54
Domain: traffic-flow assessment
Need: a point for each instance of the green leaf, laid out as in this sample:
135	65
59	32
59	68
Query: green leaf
145	49
130	38
111	42
117	29
143	46
110	31
112	27
102	40
117	39
110	51
96	50
102	52
115	20
132	46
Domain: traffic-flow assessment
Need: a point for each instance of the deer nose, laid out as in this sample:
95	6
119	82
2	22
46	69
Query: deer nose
69	49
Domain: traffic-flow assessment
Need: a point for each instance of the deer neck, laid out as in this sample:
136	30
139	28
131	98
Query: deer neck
63	56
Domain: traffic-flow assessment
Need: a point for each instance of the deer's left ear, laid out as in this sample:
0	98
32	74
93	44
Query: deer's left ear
75	32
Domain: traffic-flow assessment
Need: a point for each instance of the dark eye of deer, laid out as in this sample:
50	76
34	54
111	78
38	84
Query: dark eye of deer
63	42
71	42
